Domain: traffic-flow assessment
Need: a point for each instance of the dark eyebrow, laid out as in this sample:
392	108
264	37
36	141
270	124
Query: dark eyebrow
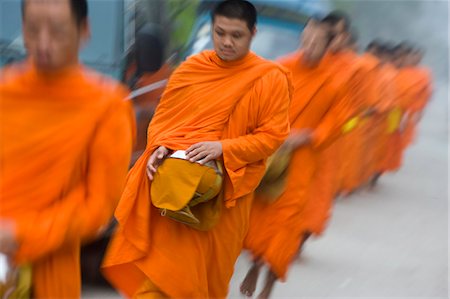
233	32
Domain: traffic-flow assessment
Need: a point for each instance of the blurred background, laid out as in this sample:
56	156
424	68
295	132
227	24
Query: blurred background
391	242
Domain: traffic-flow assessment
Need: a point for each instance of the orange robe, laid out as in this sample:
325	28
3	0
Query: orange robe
66	142
245	105
363	166
415	93
391	161
346	71
275	229
379	123
352	146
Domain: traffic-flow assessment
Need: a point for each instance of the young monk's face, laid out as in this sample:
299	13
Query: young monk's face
231	37
314	44
341	37
51	34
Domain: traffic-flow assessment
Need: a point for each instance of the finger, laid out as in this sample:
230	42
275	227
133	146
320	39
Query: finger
198	156
193	147
194	152
152	168
150	173
152	158
206	159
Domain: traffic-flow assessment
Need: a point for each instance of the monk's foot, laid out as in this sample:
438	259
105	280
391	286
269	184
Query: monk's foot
268	287
374	181
305	238
248	285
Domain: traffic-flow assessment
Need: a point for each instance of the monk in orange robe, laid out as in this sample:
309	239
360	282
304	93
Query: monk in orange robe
416	96
66	139
277	229
348	70
229	105
361	145
393	157
384	104
350	81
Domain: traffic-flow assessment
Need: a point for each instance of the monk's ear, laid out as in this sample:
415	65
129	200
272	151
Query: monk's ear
85	32
253	31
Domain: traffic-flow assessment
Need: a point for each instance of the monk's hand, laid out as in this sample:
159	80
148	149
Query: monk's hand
298	138
369	112
416	117
8	243
156	160
204	152
403	123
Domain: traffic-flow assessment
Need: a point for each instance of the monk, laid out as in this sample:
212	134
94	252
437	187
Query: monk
342	61
351	84
227	106
417	95
402	98
362	139
386	115
393	156
66	139
276	229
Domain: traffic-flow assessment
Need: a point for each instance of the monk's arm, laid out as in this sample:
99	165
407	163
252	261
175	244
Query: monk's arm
110	155
88	207
330	126
272	125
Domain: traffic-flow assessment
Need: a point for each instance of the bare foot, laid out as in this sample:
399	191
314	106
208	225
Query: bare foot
271	278
248	285
305	237
374	180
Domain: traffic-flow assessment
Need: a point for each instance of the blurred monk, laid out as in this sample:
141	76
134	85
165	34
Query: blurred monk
419	94
277	229
227	107
66	135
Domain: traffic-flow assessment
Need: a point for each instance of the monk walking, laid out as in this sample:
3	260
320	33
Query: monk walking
223	113
277	229
66	139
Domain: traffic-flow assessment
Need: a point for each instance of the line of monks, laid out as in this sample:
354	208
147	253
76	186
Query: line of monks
359	113
333	119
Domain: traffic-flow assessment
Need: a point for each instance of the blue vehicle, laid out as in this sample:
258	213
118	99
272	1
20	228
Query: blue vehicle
280	24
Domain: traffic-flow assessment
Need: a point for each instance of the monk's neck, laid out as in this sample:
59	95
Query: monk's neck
306	64
231	63
309	64
60	74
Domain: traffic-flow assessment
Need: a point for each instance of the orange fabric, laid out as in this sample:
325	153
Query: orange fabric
392	159
321	192
415	91
379	121
275	229
245	105
148	290
62	167
353	151
145	105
